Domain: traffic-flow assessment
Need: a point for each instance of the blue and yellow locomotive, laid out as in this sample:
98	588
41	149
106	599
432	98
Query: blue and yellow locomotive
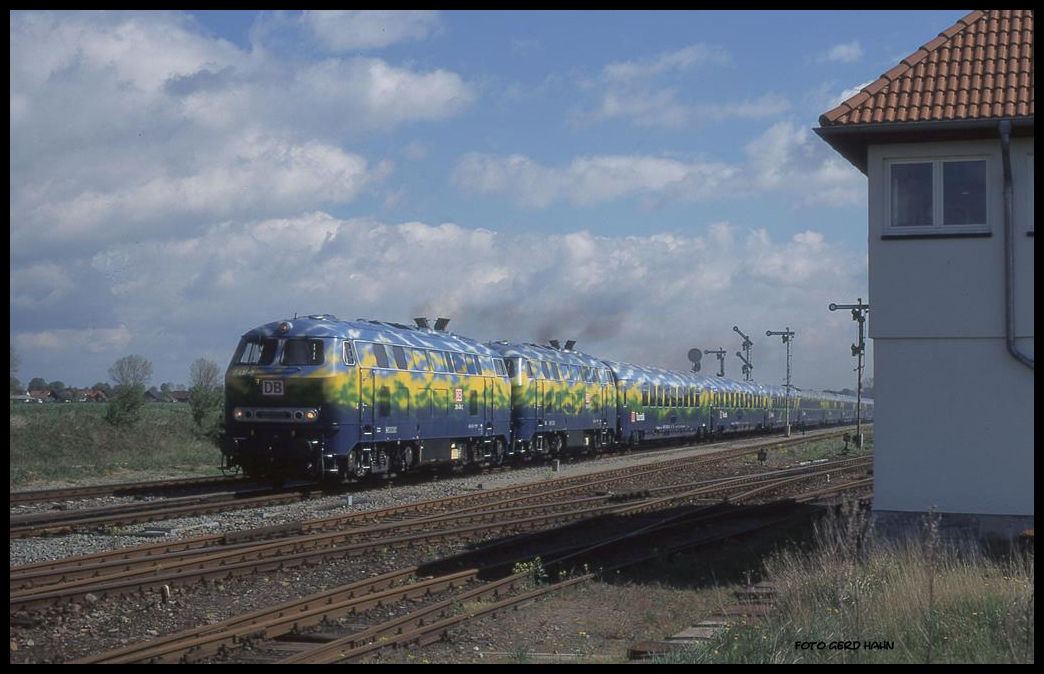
327	399
561	399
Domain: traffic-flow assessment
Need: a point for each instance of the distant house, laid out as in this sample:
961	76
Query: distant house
93	395
181	396
24	398
157	396
945	139
43	395
64	395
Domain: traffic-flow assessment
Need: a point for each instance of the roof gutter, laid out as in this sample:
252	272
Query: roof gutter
851	140
1009	248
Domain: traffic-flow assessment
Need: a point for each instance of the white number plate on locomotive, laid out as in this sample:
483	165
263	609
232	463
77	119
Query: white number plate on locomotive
272	387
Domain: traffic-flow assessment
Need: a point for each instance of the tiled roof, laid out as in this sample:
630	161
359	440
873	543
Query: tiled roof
979	68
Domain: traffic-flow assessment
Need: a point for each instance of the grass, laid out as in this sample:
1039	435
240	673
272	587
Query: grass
54	443
924	601
830	448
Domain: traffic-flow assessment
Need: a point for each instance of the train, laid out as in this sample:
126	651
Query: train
321	398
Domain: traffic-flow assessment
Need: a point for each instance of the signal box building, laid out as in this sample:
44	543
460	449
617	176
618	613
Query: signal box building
945	139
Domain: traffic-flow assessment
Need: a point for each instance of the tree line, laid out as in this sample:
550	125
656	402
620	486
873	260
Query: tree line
130	376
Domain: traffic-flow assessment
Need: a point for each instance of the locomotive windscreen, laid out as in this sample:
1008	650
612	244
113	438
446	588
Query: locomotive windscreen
256	351
302	352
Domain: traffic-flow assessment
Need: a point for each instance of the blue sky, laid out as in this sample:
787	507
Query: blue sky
638	181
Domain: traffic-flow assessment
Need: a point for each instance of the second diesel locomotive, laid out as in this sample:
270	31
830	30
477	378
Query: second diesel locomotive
327	399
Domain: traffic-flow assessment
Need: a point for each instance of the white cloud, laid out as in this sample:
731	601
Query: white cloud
847	52
136	126
645	108
639	90
784	158
788	158
666	62
767	105
645	298
249	173
141	50
847	94
341	30
39	285
588	180
385	95
107	342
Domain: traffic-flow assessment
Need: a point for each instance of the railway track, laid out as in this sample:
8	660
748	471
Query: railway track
50	523
122	489
488	582
473	517
54	522
485	500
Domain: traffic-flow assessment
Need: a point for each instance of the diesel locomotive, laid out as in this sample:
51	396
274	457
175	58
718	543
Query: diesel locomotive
331	400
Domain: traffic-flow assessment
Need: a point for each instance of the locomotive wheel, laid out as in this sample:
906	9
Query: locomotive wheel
408	457
497	459
357	467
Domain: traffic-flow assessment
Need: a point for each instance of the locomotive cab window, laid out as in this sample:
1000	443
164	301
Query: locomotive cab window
256	351
302	352
347	353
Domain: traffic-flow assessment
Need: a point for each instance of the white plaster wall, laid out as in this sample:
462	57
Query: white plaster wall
953	410
947	287
953	427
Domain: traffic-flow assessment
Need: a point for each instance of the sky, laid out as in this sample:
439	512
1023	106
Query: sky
640	182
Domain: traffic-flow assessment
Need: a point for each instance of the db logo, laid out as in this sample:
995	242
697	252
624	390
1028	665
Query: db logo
458	395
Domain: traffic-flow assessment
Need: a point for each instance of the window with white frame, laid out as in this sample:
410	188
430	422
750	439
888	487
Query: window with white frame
937	196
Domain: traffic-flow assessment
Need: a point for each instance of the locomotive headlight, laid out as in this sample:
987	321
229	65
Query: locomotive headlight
238	413
311	415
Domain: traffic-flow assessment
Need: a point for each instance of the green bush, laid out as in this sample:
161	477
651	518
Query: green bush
207	406
124	406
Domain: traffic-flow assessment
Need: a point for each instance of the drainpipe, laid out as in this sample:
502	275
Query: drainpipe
1009	248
